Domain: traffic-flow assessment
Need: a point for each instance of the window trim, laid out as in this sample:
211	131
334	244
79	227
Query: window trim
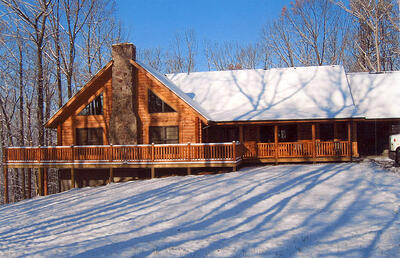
165	140
87	129
100	95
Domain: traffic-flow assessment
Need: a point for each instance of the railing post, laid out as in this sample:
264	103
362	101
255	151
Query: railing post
111	176
39	155
234	151
276	143
188	152
72	154
152	151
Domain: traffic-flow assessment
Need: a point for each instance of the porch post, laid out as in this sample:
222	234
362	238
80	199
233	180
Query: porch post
111	178
276	143
40	183
29	183
241	136
153	172
45	182
314	151
354	139
72	177
189	171
349	140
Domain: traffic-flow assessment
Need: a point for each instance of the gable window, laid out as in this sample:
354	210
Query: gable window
164	134
156	105
93	108
89	136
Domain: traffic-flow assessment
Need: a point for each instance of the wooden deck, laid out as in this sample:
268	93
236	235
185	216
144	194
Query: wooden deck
168	156
134	156
175	155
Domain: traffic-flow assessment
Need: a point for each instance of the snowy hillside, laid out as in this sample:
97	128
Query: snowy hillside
303	210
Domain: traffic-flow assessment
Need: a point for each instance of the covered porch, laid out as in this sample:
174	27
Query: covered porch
291	141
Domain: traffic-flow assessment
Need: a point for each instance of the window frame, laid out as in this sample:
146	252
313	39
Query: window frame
91	109
155	107
89	133
163	134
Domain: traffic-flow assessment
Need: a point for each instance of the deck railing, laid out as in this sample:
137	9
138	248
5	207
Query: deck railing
325	149
195	152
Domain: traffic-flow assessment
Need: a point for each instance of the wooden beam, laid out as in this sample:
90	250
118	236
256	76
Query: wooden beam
5	173
111	178
349	139
153	172
276	143
189	171
241	135
45	181
23	170
40	181
29	183
72	177
314	151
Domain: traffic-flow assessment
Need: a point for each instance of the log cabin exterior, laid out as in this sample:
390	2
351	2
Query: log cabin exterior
129	116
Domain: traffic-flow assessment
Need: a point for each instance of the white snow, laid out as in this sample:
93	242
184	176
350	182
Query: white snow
277	94
335	210
376	95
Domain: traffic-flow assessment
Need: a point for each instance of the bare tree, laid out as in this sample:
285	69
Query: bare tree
230	56
377	40
309	32
152	57
182	54
34	16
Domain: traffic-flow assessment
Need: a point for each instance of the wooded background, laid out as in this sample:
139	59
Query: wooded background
50	48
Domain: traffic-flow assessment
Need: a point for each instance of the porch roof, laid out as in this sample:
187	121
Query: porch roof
316	92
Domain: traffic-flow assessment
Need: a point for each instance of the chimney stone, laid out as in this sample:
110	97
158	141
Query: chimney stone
123	121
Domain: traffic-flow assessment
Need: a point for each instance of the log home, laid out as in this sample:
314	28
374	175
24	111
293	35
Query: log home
129	118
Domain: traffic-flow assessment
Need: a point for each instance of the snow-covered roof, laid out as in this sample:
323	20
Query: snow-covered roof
316	92
376	95
170	85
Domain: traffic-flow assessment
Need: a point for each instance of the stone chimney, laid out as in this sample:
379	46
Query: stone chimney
123	121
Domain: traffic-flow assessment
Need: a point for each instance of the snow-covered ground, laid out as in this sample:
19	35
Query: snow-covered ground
345	210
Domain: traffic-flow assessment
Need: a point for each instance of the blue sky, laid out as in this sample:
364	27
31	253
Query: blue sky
153	23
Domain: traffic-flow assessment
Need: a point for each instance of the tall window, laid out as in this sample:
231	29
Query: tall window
89	136
156	105
164	134
93	108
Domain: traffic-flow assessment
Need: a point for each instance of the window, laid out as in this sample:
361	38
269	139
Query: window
89	136
164	134
156	105
93	108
